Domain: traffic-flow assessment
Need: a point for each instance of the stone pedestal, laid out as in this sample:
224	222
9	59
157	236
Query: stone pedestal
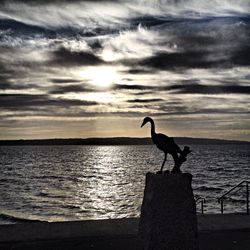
168	215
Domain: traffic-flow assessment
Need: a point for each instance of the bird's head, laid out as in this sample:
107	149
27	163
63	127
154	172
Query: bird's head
145	120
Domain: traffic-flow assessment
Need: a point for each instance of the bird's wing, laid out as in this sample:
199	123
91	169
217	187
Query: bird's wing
160	140
175	146
163	137
167	143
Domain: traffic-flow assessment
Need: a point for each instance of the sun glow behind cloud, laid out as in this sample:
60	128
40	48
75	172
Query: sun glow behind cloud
101	77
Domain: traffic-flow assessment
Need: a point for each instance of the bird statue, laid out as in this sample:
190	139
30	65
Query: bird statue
168	146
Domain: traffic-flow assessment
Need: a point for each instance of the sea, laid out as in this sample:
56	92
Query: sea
66	183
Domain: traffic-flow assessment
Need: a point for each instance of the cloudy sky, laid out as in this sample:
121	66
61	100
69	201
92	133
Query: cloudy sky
94	69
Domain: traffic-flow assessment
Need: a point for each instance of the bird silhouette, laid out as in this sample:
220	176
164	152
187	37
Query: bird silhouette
164	143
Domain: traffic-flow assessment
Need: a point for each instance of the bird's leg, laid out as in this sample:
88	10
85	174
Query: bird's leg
165	158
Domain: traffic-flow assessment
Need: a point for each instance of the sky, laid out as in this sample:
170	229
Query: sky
79	69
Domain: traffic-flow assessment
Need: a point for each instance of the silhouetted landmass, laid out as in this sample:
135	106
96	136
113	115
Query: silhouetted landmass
118	141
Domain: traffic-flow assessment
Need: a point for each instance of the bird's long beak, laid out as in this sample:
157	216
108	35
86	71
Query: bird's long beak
143	123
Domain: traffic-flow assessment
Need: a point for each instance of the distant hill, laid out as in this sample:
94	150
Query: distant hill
118	141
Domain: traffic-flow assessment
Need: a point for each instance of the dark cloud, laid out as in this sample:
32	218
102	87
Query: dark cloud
193	48
184	109
28	101
6	85
131	87
139	71
209	89
197	41
70	89
66	57
148	21
21	29
64	80
242	56
178	111
5	72
196	59
95	44
140	93
222	111
45	2
6	82
187	87
186	59
145	100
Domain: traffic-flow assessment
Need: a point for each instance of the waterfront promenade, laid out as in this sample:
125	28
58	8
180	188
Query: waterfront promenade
216	232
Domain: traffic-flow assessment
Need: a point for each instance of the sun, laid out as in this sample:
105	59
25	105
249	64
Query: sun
101	77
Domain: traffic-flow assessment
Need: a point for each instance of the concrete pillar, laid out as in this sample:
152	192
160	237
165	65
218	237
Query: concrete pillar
168	214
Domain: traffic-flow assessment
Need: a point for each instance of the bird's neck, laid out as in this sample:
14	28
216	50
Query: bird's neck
152	128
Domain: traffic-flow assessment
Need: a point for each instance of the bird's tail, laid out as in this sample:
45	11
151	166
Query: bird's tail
186	150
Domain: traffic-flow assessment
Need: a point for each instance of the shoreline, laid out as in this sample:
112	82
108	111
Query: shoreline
225	231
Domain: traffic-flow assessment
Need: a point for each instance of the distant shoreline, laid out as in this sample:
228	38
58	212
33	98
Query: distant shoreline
118	141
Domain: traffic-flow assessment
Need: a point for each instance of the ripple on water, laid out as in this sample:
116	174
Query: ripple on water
95	182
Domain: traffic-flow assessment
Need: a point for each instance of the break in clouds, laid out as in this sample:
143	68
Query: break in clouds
72	68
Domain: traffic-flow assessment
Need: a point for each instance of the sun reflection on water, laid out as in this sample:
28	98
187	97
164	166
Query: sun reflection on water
105	183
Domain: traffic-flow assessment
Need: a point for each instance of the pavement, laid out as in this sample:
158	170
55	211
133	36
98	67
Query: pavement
216	232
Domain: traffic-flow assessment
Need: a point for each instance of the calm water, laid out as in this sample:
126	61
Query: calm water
59	183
